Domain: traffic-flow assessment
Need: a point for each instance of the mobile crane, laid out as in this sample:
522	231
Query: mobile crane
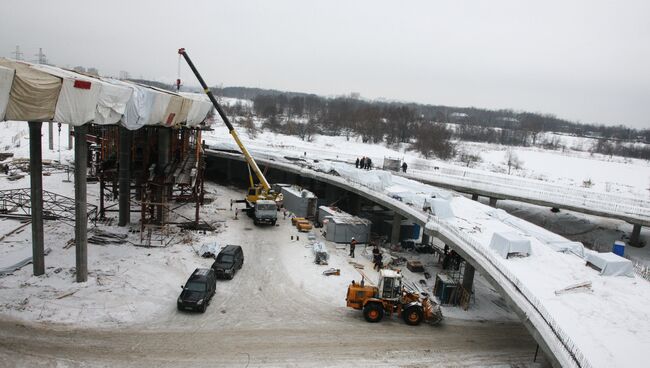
261	201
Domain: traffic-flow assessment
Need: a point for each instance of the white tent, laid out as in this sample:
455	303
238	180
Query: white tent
139	107
568	247
610	264
440	207
201	107
6	80
33	93
77	100
509	243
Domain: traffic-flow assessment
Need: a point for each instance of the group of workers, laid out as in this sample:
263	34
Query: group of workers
363	163
377	256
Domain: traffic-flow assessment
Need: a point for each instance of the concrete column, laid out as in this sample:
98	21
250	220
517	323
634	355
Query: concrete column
355	203
493	202
228	170
397	224
124	176
81	212
635	237
36	181
70	130
468	277
331	193
474	197
50	135
426	239
164	153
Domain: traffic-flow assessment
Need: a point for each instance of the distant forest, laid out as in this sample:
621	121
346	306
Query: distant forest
429	129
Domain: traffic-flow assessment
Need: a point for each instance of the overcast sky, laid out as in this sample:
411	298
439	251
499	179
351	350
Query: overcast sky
586	61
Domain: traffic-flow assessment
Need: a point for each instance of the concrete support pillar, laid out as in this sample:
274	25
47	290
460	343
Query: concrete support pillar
331	193
635	240
355	203
81	212
426	239
70	130
124	176
36	181
474	197
493	202
468	277
397	224
164	153
50	135
228	170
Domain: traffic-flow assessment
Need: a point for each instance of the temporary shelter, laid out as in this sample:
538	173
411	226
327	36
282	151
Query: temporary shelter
33	94
510	243
6	80
610	264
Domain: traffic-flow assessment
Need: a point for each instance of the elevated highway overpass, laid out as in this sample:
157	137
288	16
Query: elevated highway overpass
569	330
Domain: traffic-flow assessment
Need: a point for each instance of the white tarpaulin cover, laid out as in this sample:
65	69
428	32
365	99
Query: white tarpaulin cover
33	93
508	243
6	80
167	108
611	264
78	97
139	108
440	207
201	107
568	247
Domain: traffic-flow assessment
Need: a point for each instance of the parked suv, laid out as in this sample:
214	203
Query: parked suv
229	260
198	290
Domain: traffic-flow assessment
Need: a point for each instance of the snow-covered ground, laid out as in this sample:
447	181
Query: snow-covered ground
616	305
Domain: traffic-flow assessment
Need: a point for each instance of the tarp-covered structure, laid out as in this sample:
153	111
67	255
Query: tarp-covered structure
30	92
610	264
510	243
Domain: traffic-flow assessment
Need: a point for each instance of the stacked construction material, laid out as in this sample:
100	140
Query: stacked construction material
302	224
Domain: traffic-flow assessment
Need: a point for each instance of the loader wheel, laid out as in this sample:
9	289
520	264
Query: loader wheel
373	312
413	315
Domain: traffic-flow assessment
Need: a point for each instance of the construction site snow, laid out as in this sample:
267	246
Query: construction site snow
606	324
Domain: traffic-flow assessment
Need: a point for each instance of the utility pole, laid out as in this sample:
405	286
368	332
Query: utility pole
17	54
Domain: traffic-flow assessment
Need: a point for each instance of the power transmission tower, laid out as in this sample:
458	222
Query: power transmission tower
41	56
17	54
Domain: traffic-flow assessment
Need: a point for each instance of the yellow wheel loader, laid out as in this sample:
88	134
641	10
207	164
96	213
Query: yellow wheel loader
389	297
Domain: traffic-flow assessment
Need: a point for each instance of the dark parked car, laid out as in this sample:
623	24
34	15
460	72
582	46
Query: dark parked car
229	260
198	290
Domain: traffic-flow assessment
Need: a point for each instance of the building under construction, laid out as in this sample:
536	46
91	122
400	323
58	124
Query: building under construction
141	143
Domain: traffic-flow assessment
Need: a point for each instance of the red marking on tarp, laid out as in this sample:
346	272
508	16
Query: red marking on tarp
170	118
82	84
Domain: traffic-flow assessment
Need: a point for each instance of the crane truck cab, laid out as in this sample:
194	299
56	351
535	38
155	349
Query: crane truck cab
265	211
390	297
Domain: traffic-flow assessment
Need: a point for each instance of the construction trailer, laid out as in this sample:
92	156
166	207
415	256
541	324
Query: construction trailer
300	202
341	226
392	164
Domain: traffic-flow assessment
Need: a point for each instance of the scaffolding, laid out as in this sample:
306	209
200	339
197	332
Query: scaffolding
161	173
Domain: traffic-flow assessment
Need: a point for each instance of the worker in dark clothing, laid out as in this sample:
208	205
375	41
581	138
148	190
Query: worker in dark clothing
362	163
377	260
404	166
353	244
5	168
356	163
368	164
